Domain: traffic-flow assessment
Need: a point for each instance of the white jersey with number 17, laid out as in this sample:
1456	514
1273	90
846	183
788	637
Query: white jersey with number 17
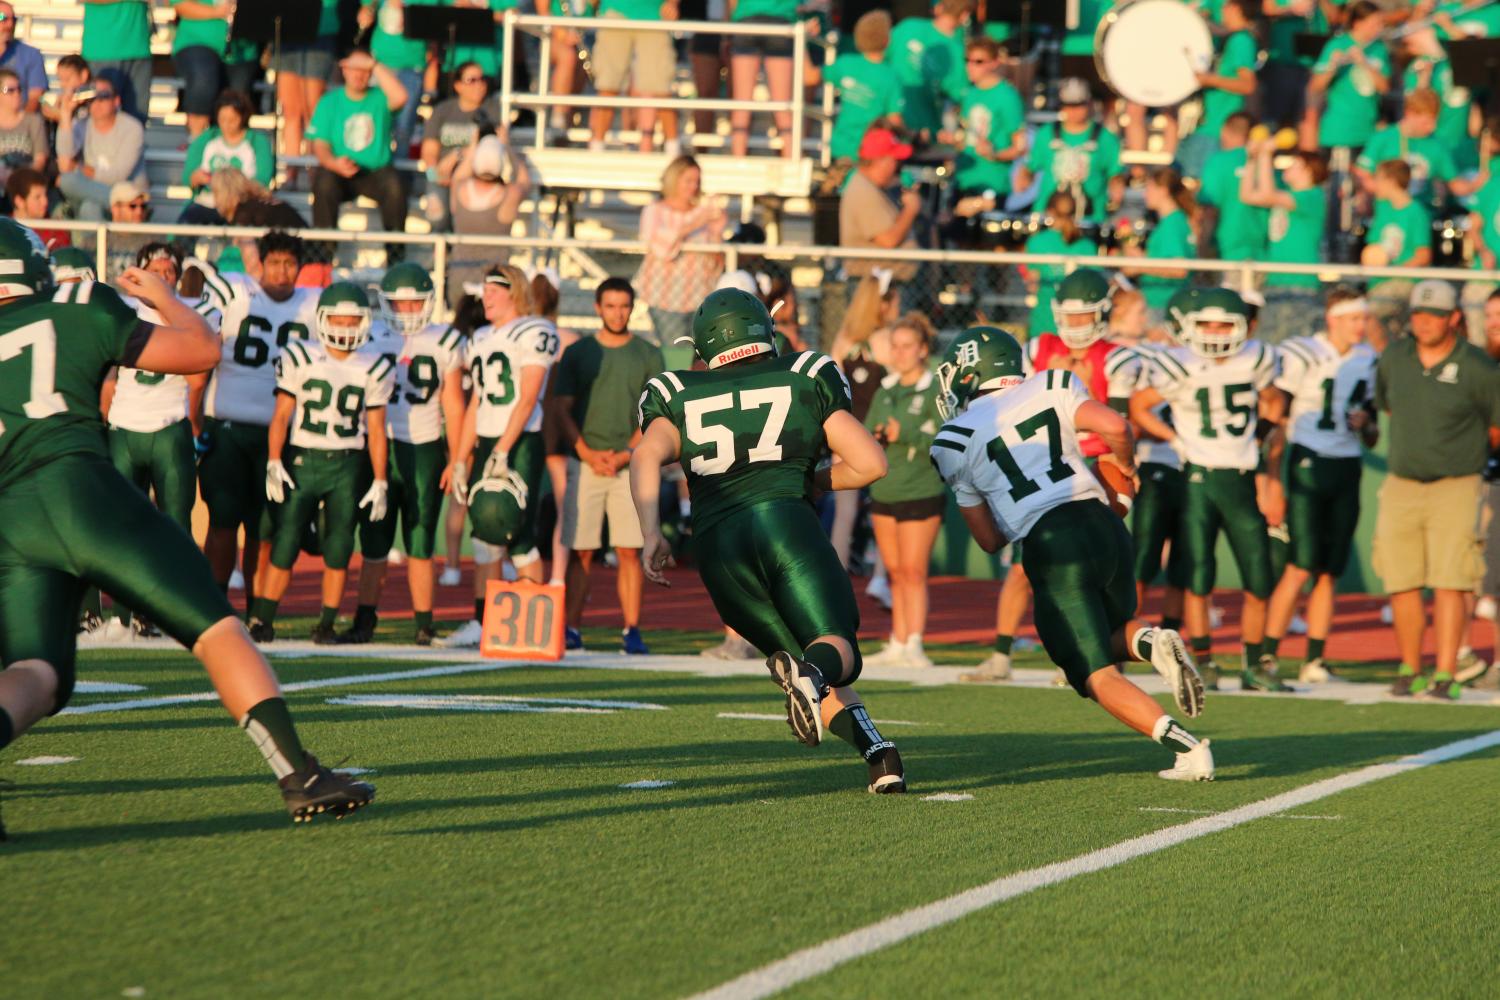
1017	452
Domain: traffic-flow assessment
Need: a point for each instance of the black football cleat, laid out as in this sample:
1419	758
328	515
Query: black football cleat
887	776
361	632
261	631
425	637
316	790
324	635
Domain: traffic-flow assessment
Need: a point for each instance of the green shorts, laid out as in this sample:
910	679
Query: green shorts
1322	509
1079	560
232	476
76	522
528	457
160	462
1156	520
1225	499
414	472
775	579
333	481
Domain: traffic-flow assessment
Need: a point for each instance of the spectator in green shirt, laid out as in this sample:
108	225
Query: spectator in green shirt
1484	228
198	53
1283	79
928	56
869	92
117	36
1298	210
994	124
1458	119
1400	236
906	506
1171	237
1413	140
1354	72
406	57
1077	154
1061	236
302	73
230	143
1225	87
351	137
1239	230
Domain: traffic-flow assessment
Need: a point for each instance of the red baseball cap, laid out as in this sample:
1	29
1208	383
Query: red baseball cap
879	142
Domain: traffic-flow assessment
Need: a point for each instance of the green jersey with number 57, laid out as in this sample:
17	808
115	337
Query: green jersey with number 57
1016	451
333	394
254	329
55	349
751	431
1216	402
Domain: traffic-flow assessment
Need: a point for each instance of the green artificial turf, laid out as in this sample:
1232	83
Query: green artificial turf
502	857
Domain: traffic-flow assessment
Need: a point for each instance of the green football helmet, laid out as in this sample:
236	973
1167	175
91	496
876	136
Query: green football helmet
72	264
1222	307
343	298
24	267
1182	302
730	325
979	359
407	282
497	504
1085	292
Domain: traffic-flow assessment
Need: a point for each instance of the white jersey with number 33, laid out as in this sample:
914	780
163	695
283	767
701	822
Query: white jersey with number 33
1216	403
1017	451
495	357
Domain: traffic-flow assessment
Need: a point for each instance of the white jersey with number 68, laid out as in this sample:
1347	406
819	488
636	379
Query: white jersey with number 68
1216	403
1017	451
253	330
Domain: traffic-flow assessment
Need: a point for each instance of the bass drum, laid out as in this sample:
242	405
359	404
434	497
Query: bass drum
1151	51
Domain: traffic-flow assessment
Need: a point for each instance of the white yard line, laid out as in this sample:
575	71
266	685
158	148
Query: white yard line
811	962
1209	812
769	717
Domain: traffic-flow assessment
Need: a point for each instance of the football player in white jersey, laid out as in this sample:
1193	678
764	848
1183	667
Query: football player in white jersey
423	421
509	361
1219	388
1329	381
331	395
1011	455
260	313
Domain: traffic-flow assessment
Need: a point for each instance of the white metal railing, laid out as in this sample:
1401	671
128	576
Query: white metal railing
541	25
440	244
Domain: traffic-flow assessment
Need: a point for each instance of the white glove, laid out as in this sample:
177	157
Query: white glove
375	499
497	465
1180	447
460	482
278	481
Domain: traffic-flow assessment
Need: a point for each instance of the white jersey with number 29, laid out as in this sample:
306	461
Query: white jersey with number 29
1017	451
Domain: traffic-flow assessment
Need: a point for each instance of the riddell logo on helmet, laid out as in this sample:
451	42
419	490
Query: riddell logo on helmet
739	353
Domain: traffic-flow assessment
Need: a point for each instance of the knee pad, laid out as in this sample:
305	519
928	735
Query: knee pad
484	553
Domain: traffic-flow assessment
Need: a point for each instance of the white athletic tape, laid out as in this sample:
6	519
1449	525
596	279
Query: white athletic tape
809	963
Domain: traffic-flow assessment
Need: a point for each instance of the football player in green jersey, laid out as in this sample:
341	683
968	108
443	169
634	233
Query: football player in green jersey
84	524
750	432
331	395
71	265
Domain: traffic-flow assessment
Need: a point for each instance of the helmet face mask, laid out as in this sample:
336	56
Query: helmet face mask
1084	292
70	264
343	299
407	282
731	325
1216	323
982	358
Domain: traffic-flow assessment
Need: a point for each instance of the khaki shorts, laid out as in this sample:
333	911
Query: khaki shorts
590	499
1427	534
646	58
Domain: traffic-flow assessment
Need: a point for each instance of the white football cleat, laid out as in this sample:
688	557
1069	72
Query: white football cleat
802	683
1317	672
879	591
117	631
1195	765
994	669
892	654
1470	666
916	656
466	636
1170	657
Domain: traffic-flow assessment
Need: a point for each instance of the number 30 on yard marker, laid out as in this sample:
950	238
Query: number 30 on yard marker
522	621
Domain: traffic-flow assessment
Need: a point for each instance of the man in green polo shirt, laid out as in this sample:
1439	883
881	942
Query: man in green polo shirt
994	123
351	137
1354	71
1442	395
117	35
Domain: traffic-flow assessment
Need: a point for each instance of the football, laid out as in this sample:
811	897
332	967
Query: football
1118	487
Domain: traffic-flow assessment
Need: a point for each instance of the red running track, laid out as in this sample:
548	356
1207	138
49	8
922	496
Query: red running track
961	611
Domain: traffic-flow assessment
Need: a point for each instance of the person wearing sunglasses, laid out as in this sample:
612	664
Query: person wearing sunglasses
112	149
24	60
23	137
454	126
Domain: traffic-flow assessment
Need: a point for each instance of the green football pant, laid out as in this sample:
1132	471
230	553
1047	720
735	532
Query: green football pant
332	480
528	457
76	522
413	472
1322	509
160	462
232	477
1155	520
775	579
1224	499
1079	560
